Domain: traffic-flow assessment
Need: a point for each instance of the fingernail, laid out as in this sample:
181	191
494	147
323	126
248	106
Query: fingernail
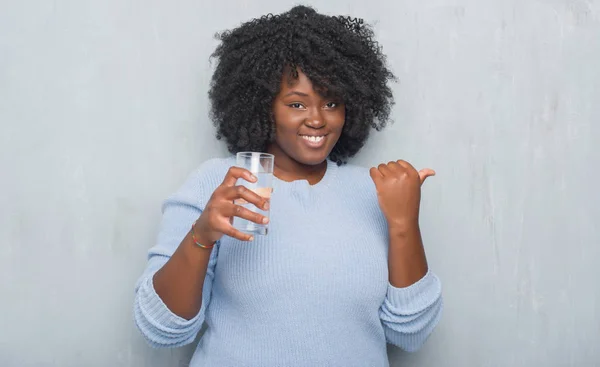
265	220
266	206
251	238
253	178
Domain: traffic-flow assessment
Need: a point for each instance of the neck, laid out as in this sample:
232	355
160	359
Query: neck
287	169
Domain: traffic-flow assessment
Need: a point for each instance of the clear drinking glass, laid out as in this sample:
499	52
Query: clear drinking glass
261	166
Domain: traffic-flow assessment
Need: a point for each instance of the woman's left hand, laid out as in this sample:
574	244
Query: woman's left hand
398	187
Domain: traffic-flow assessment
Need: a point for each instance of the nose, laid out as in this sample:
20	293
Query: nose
315	120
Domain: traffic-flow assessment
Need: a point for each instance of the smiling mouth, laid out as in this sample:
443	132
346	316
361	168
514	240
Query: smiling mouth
313	138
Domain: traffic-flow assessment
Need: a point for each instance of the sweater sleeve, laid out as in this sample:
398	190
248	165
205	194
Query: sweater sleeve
159	326
410	314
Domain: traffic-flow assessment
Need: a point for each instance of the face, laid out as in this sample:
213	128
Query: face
308	125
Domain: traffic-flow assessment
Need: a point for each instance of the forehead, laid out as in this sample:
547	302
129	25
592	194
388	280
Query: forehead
303	84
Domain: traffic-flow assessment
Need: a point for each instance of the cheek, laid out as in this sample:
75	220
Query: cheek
284	132
338	120
286	122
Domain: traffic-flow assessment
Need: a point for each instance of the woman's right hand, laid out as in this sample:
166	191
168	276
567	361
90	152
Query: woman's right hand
217	217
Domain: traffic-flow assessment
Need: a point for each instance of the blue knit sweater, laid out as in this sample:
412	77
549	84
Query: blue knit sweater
313	292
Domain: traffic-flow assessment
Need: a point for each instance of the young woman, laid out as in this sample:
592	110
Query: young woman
343	268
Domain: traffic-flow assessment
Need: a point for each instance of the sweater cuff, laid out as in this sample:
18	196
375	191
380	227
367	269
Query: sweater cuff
158	314
415	297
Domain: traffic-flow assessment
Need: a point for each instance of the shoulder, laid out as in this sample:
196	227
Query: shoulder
213	168
202	181
358	175
209	175
356	181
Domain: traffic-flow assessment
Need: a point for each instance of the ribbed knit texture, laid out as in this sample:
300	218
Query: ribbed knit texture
313	292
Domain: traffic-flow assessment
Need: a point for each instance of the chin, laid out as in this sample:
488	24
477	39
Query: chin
311	158
302	154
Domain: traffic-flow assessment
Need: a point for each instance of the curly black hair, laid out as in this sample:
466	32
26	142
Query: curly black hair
338	54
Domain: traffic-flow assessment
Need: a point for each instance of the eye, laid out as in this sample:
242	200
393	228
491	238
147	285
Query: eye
331	105
296	105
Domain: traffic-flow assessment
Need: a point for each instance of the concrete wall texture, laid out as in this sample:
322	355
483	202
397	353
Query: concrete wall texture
103	112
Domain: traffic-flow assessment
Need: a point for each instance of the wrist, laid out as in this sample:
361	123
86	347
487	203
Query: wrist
199	240
403	227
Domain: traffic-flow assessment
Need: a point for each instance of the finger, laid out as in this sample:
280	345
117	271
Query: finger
235	173
424	173
234	233
234	210
384	170
221	222
395	167
242	195
407	166
376	176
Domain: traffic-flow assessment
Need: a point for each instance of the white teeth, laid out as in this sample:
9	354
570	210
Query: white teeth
314	139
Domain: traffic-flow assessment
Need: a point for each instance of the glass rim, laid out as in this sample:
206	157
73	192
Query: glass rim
254	154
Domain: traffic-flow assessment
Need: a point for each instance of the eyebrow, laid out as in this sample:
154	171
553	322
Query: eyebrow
297	93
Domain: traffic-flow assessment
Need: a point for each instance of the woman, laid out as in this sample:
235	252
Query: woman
343	269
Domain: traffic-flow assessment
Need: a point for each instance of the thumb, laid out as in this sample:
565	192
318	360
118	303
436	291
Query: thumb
424	173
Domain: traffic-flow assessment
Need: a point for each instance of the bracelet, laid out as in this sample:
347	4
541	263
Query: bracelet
208	247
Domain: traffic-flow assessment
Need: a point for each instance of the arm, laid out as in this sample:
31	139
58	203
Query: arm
413	304
179	283
406	256
172	295
174	292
